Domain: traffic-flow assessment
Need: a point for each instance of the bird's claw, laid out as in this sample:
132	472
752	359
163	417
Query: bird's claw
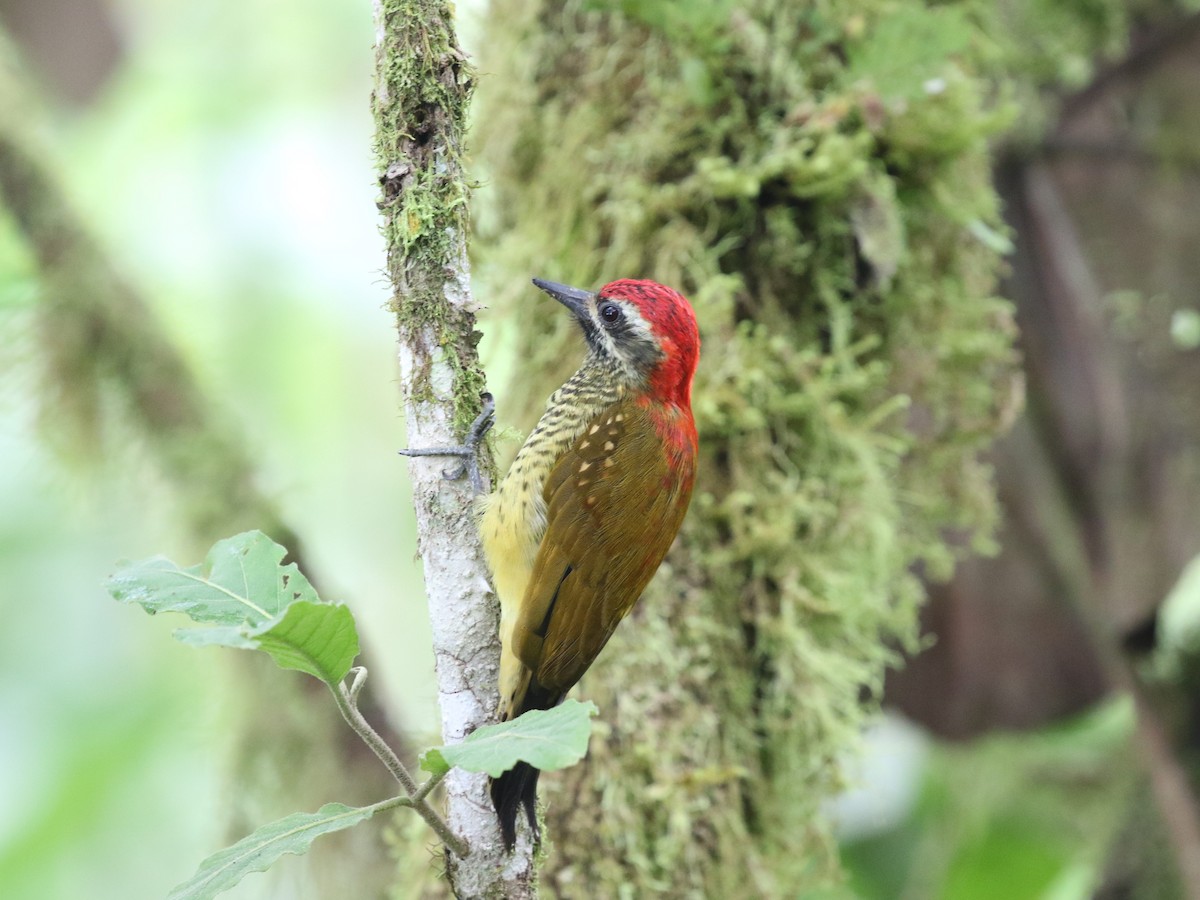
468	452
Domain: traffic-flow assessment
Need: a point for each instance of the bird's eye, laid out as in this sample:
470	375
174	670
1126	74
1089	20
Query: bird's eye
610	314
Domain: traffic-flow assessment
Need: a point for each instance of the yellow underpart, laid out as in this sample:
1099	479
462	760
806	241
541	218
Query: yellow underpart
514	517
513	524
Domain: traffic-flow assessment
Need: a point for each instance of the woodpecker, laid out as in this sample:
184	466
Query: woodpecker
591	503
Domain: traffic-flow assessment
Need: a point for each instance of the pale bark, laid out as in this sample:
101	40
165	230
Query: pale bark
422	88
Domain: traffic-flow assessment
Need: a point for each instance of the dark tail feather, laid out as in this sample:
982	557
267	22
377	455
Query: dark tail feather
517	787
514	789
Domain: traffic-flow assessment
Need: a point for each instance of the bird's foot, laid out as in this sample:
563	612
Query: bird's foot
468	452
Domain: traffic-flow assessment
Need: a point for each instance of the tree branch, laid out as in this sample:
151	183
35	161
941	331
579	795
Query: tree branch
422	89
347	704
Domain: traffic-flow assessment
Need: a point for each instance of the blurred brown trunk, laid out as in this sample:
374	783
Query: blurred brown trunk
1099	477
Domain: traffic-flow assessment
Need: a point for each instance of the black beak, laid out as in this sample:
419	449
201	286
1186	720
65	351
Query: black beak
574	299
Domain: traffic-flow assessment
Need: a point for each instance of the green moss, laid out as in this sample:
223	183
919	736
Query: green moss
825	225
420	112
817	179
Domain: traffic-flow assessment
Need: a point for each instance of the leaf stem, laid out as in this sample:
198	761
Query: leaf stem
356	684
423	790
348	707
346	699
390	803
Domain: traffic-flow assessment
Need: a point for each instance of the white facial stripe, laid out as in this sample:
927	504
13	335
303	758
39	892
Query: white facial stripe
635	330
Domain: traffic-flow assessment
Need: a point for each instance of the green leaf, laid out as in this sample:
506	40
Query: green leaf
251	601
258	851
241	580
220	636
317	638
434	762
548	739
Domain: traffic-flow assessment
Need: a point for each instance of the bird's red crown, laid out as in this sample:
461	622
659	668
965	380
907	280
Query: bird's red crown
674	323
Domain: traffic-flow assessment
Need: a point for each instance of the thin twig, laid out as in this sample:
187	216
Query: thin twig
416	793
424	790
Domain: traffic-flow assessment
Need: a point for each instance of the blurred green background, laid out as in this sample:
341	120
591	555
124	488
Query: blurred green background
223	158
220	152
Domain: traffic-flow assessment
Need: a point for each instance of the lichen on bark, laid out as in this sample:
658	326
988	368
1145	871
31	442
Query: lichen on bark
423	85
423	91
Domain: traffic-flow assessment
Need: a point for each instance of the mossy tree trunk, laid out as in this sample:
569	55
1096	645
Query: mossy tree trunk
816	180
423	85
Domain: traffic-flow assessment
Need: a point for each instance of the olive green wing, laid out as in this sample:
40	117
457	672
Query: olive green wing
614	504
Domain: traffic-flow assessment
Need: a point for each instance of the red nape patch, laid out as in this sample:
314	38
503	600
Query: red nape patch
674	323
675	427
